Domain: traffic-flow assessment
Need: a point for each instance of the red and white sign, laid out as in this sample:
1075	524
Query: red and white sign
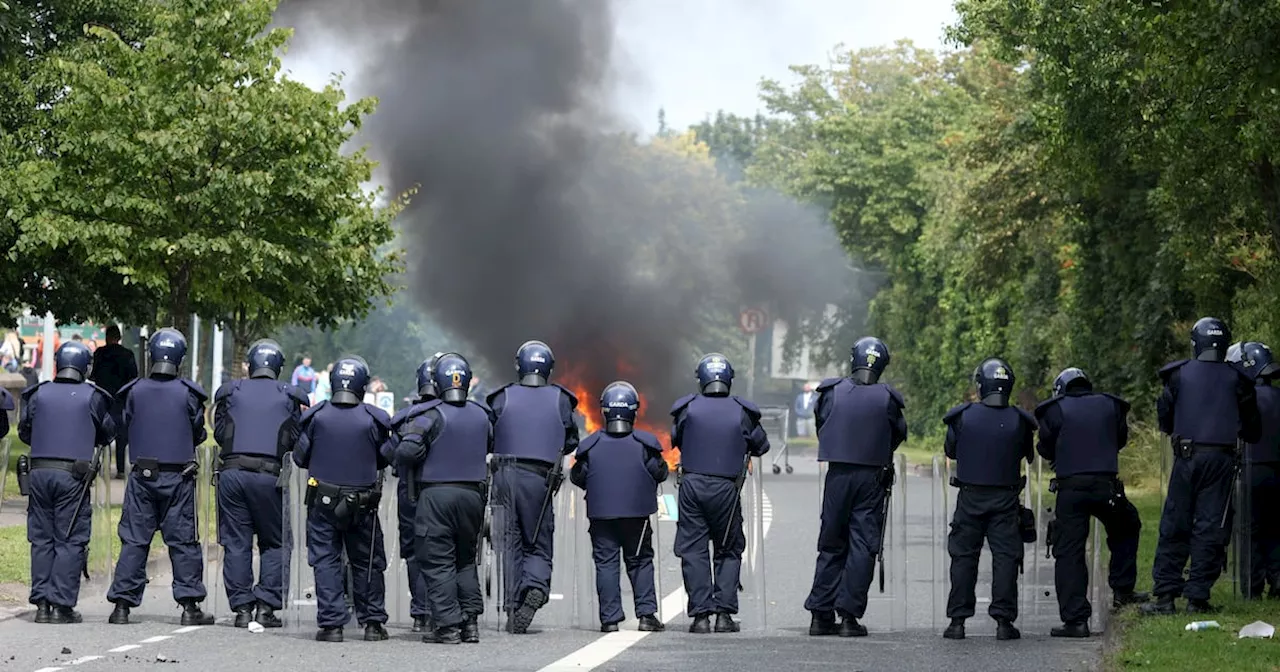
753	320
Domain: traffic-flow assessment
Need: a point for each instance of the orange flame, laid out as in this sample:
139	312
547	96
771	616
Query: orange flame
589	407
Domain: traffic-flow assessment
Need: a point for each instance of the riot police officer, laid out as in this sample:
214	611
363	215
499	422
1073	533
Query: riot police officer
1081	435
533	429
341	443
1207	405
1263	486
620	468
255	422
717	433
989	440
406	509
62	421
164	420
860	424
445	451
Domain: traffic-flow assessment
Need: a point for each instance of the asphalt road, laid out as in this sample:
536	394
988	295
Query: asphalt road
774	633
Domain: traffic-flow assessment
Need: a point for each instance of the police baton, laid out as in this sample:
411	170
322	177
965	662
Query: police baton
890	477
1235	477
555	478
85	486
737	484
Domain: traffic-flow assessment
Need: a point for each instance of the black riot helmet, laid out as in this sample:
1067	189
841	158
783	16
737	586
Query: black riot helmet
534	362
167	347
72	361
1210	339
994	378
426	374
869	357
452	378
265	359
349	378
619	404
715	375
1071	380
1256	359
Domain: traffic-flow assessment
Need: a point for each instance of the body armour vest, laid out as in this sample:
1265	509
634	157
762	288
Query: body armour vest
344	443
529	425
160	419
63	426
263	416
458	452
618	483
989	448
1207	410
1267	449
857	430
1088	441
712	441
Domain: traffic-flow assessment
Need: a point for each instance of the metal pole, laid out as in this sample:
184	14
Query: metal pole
46	358
195	348
751	369
216	367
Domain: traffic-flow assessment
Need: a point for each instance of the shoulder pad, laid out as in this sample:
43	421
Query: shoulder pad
956	411
6	400
1043	407
681	403
748	406
27	392
829	383
1124	405
1241	370
488	400
379	416
895	395
408	413
1171	367
588	443
1028	417
313	410
647	440
127	386
97	389
195	387
573	398
483	406
226	389
298	395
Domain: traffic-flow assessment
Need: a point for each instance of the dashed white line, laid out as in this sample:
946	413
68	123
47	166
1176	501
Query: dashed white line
84	659
49	669
189	628
126	647
157	638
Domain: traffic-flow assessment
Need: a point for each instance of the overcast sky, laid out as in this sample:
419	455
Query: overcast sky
693	57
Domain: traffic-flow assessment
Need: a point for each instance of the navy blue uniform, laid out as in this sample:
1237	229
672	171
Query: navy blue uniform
1081	435
445	449
1205	407
1263	457
406	512
714	435
62	421
859	427
620	473
533	428
255	422
989	445
342	447
164	420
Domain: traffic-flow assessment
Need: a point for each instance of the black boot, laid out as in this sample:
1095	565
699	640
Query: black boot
449	635
119	615
1120	600
725	623
374	632
192	615
850	627
823	624
534	599
609	627
44	612
1200	607
420	624
329	634
955	630
1163	606
650	623
244	616
701	625
267	617
1076	630
64	615
471	630
1005	631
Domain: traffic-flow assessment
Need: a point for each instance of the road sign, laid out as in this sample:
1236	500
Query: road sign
753	320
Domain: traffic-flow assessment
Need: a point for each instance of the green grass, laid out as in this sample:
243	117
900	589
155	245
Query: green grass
15	555
16	448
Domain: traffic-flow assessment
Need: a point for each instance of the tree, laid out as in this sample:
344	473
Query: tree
187	165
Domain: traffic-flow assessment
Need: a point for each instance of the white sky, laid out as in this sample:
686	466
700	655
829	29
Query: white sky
693	57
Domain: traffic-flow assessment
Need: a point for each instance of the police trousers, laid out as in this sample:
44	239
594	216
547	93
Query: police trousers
849	539
991	514
632	540
1264	529
249	505
1081	498
56	556
406	513
710	523
1191	525
448	529
527	549
331	547
166	503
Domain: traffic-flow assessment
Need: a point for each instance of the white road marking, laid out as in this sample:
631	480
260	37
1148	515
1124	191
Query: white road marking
153	640
126	647
189	628
612	644
84	659
49	669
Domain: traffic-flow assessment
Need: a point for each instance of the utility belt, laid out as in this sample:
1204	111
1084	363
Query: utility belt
150	469
539	467
957	483
79	468
345	501
481	487
1186	448
1086	482
256	463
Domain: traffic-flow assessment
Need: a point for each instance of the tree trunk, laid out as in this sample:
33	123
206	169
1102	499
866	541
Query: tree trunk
1269	190
180	307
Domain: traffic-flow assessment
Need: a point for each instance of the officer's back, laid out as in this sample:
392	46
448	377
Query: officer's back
989	443
165	418
345	442
1082	431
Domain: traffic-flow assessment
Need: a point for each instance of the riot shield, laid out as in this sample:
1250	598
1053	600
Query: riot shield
399	595
4	467
587	607
940	521
1038	599
1249	584
101	557
299	595
886	601
490	561
216	602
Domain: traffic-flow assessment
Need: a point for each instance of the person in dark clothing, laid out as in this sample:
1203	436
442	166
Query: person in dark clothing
113	367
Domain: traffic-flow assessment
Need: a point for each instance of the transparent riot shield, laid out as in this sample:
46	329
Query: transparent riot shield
886	601
4	467
399	596
101	557
1249	584
299	594
1038	600
490	563
940	502
207	529
587	607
